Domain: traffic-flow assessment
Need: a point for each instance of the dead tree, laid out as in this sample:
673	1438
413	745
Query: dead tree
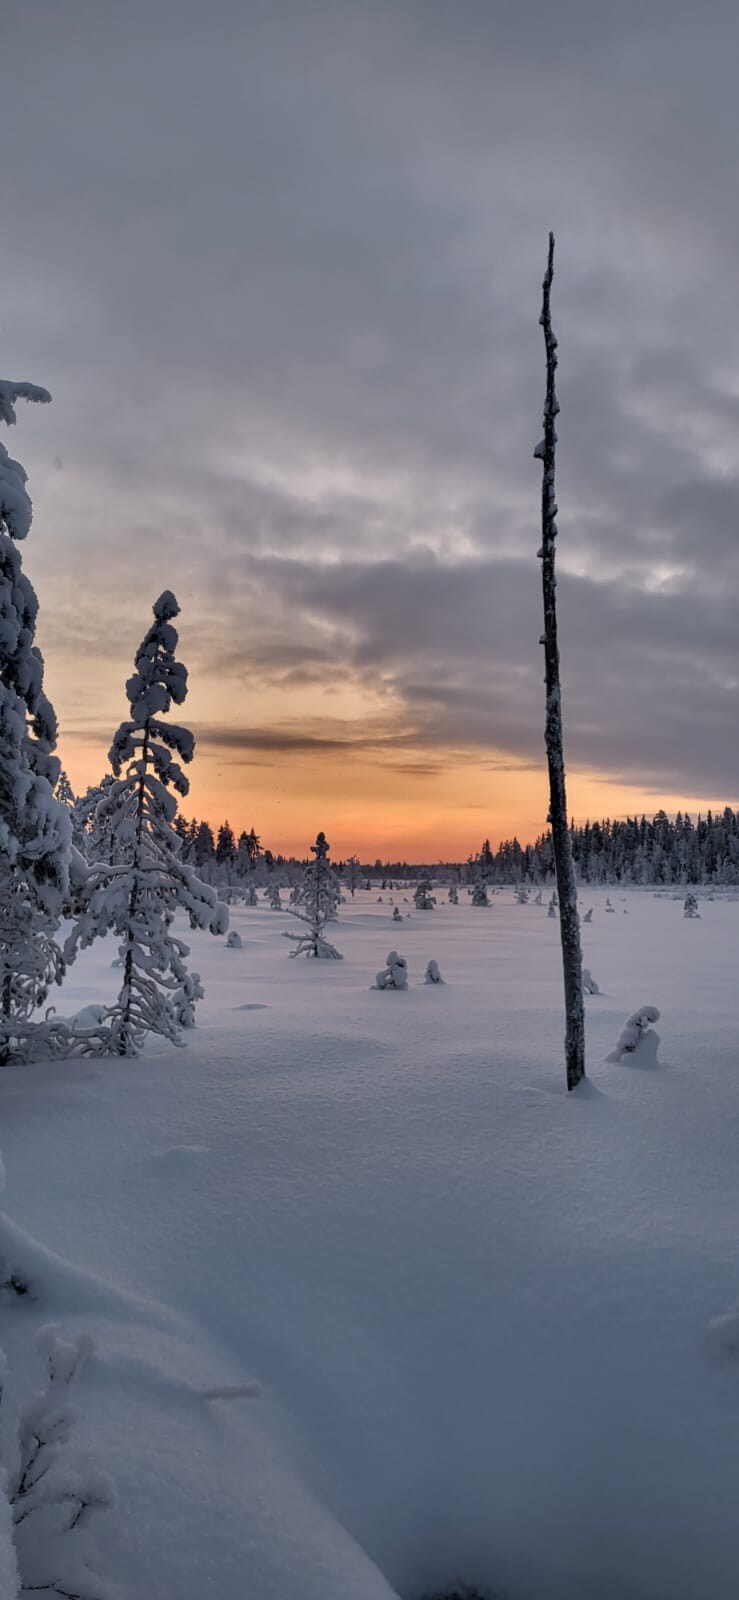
568	918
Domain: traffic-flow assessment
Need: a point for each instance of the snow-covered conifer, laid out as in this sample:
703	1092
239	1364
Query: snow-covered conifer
424	899
480	893
138	897
453	895
637	1037
273	894
233	940
35	828
609	907
588	982
432	973
397	915
315	904
250	895
588	917
521	894
552	907
394	974
690	908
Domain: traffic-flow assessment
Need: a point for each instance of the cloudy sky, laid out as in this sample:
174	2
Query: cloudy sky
280	265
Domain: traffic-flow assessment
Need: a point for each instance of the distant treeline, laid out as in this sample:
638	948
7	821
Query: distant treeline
638	850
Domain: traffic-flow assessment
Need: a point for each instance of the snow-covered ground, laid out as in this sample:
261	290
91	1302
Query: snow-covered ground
458	1319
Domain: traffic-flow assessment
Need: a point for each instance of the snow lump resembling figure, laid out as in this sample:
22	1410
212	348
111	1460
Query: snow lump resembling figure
395	973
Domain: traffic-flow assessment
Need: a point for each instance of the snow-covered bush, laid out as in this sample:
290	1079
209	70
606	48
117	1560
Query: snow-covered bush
588	917
137	897
609	907
552	906
690	908
233	942
424	899
588	982
537	898
395	973
521	894
273	895
397	915
480	894
250	896
315	905
35	828
432	973
636	1036
453	895
51	1500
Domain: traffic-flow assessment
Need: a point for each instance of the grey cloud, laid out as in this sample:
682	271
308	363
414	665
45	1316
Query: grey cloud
280	266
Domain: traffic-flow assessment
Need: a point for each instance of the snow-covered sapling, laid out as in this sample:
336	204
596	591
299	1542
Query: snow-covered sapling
552	907
315	905
397	915
637	1037
521	895
273	894
250	896
424	899
690	908
453	895
394	974
588	982
609	907
537	898
588	917
233	942
432	973
480	894
138	897
51	1501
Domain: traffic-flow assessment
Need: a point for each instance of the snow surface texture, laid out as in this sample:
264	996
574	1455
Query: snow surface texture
377	1307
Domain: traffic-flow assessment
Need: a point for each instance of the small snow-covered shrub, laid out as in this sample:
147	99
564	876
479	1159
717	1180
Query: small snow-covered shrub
397	915
50	1499
588	917
588	982
315	904
424	899
480	894
637	1037
233	942
395	973
552	907
609	907
521	895
432	973
453	895
690	908
273	894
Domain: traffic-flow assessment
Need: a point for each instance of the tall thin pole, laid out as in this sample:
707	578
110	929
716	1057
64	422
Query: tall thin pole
569	923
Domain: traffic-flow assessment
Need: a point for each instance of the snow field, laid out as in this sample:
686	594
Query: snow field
466	1315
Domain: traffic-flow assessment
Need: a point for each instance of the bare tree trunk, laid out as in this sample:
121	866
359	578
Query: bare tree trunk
569	923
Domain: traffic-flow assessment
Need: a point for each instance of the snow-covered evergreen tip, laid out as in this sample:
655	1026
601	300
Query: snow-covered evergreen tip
166	607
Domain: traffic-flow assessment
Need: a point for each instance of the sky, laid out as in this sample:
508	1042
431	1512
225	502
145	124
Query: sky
280	262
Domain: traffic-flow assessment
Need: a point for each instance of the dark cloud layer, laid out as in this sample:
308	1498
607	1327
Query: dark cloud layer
279	264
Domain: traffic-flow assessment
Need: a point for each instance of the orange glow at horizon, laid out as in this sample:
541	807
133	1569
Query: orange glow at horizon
399	807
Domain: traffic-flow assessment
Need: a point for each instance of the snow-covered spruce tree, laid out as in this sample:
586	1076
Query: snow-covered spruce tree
35	829
137	898
569	923
315	905
423	898
480	893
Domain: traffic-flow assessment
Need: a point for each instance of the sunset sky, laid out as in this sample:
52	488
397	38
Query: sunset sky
280	265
